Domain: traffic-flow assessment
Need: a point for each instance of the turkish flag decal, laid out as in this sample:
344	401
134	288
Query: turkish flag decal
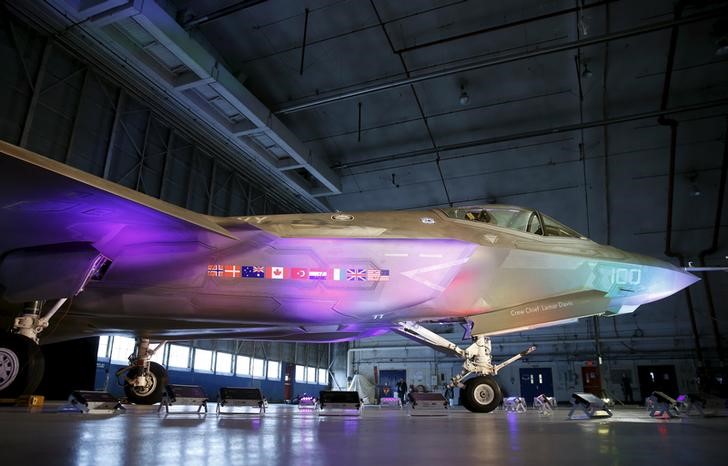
299	273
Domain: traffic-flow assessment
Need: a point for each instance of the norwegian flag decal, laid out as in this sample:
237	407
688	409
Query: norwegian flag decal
215	270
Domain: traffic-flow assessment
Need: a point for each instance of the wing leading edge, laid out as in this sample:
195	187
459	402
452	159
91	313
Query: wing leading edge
32	183
49	210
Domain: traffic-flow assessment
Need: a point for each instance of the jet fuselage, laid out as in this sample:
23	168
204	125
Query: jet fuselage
370	270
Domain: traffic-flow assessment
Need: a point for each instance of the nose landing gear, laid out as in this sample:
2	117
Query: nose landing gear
480	394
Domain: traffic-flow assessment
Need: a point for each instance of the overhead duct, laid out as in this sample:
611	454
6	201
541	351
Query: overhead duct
151	42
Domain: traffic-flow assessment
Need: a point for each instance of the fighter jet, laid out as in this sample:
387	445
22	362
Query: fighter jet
116	261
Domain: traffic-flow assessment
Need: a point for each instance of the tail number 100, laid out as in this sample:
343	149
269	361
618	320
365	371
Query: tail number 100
626	276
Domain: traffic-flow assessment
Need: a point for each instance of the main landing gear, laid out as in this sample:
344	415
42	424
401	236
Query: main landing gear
21	360
144	380
21	365
480	394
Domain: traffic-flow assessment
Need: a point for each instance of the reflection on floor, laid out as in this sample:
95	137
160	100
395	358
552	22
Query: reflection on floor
286	435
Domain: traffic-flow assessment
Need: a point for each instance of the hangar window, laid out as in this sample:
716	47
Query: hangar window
179	356
274	370
242	365
323	377
515	218
224	363
118	349
159	355
311	375
258	368
103	351
121	348
203	360
300	373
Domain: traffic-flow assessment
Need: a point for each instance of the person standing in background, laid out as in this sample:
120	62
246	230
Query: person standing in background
401	390
627	389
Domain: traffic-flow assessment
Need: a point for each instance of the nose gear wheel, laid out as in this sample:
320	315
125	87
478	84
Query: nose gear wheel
150	392
481	394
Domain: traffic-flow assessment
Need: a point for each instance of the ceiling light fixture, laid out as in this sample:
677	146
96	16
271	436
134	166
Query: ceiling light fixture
586	72
721	48
719	34
464	97
694	188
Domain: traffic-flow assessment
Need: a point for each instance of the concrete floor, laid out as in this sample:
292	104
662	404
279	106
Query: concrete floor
287	436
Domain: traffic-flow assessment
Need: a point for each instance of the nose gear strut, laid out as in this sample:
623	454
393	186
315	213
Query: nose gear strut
481	393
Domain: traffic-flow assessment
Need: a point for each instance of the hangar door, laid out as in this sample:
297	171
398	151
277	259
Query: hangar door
536	381
591	379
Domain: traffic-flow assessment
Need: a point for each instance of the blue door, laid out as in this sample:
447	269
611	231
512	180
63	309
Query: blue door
388	382
536	381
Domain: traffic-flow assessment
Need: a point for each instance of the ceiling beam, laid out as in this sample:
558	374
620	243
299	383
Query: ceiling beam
532	134
510	58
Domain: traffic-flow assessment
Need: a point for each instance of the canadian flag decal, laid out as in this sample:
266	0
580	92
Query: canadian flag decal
276	273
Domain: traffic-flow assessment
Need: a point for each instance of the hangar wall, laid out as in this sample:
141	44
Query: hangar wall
61	107
565	350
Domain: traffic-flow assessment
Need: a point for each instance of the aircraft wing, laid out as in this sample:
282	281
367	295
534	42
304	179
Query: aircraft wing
55	218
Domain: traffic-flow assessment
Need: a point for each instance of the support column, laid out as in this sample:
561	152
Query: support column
249	201
165	164
74	127
112	134
211	190
143	152
191	177
36	95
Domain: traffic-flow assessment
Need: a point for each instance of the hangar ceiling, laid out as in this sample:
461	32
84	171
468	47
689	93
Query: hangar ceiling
372	105
376	90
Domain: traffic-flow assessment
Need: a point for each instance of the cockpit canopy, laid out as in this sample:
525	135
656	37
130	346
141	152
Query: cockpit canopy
515	218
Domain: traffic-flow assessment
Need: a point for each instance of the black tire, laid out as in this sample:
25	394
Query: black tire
482	394
152	393
464	399
21	365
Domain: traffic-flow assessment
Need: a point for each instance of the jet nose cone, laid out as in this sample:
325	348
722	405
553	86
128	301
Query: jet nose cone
682	279
668	280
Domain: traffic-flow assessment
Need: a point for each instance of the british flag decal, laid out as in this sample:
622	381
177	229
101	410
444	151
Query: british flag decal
356	275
